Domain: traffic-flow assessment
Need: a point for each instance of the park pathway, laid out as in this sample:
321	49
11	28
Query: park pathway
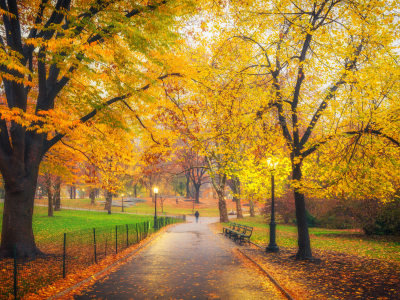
188	261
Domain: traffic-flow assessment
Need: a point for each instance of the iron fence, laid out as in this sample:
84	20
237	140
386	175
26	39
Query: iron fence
70	252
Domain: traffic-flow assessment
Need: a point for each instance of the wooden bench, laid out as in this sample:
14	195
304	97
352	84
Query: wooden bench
230	229
238	232
244	234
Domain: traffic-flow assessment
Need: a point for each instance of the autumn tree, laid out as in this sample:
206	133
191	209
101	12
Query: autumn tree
193	166
63	63
313	58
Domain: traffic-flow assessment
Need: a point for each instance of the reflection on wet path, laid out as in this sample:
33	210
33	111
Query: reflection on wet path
186	262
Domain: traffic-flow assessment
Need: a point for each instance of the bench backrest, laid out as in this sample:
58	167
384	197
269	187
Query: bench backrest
240	228
246	229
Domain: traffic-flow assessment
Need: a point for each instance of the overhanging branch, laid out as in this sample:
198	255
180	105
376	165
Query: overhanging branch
315	147
50	143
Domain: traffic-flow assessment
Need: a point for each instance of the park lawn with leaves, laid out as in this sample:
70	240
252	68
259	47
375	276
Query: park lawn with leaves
346	241
72	220
74	203
140	208
171	210
345	267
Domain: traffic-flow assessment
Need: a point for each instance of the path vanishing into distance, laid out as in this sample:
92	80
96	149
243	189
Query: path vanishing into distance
188	261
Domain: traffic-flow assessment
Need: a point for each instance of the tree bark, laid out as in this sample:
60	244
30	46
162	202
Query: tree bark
92	197
223	211
17	216
197	193
252	214
304	251
135	190
108	204
236	197
57	194
239	212
187	186
17	224
49	196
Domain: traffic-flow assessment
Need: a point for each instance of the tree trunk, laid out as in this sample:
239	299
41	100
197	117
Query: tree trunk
236	197
18	210
252	214
92	197
197	193
239	212
187	187
135	190
304	251
57	194
109	195
108	203
49	195
223	212
17	223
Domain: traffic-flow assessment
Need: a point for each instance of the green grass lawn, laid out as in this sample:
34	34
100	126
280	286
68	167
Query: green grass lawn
72	220
350	242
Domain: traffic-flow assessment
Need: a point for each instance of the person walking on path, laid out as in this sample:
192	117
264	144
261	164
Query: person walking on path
197	216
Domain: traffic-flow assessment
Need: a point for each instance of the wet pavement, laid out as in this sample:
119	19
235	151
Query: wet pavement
188	261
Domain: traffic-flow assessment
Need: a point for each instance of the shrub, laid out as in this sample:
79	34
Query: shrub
311	220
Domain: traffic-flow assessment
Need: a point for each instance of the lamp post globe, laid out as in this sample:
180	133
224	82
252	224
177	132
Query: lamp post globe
155	190
272	246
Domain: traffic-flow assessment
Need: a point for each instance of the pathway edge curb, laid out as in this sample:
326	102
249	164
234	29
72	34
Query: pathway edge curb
261	268
92	277
269	275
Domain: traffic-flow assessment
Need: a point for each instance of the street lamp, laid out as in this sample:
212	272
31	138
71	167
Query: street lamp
83	193
155	207
122	202
272	246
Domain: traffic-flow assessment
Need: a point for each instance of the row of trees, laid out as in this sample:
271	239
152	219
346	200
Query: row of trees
135	86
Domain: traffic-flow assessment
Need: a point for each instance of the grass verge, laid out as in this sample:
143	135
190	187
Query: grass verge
71	220
346	241
140	208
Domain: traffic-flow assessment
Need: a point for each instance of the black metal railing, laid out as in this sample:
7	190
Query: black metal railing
70	252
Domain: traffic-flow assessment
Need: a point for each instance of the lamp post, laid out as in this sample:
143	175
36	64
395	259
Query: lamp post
122	202
155	207
272	246
83	193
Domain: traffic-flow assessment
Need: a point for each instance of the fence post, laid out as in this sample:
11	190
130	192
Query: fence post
65	242
94	242
116	239
15	272
127	238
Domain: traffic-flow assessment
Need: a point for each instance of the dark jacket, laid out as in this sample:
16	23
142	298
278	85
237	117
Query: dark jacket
197	214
